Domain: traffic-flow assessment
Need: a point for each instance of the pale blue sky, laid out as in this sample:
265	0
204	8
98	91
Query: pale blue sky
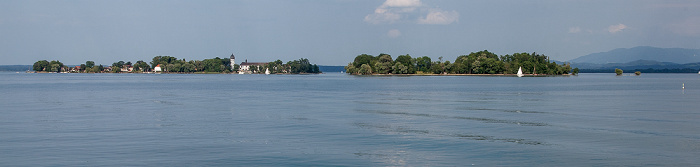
333	32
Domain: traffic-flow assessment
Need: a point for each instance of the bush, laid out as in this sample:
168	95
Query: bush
638	73
618	71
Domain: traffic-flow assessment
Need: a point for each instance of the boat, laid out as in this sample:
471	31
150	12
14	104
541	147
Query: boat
267	71
520	72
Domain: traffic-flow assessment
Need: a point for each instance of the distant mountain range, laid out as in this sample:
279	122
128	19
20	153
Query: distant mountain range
642	58
624	55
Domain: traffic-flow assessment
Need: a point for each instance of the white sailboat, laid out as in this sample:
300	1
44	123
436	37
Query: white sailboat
520	72
267	71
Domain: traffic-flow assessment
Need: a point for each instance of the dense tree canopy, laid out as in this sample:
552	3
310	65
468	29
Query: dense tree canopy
482	62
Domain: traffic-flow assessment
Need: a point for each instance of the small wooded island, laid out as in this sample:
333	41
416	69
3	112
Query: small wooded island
169	64
479	63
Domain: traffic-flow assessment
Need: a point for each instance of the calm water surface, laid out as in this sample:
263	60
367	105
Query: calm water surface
342	120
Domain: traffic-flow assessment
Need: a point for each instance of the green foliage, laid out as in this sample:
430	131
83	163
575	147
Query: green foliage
482	62
41	65
162	60
618	71
350	69
142	66
55	66
363	59
407	61
637	73
302	66
399	68
365	69
118	64
575	72
423	63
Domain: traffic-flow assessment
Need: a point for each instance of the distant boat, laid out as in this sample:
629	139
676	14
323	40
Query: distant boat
520	72
267	71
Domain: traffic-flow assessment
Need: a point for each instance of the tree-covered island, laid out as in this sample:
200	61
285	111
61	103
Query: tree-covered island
169	64
482	62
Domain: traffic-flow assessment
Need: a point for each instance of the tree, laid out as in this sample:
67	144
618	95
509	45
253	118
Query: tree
170	68
407	61
142	66
89	64
399	68
365	69
236	67
55	66
350	69
575	72
362	59
118	64
618	71
637	73
423	63
41	65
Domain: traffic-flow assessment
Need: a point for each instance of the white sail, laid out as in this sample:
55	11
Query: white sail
267	71
520	72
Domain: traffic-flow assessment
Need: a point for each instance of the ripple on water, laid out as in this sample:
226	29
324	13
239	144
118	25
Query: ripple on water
485	120
435	133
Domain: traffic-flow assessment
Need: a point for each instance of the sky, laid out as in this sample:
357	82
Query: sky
333	32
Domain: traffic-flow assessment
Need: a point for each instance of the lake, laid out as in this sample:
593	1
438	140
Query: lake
343	120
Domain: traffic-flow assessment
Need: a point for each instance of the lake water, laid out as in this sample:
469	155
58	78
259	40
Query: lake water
343	120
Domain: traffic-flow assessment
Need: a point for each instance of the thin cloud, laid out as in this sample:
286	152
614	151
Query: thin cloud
412	11
393	33
401	3
616	28
439	17
574	30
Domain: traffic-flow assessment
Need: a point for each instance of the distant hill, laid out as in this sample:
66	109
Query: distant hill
15	67
624	55
645	66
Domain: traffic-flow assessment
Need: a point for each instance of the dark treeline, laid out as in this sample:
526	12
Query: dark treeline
175	65
482	62
172	64
300	66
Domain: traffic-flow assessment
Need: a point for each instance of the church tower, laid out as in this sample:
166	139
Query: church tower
233	61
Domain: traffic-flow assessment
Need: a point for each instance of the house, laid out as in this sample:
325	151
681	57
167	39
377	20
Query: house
127	68
75	69
157	69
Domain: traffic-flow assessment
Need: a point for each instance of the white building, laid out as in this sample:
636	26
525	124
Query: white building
245	66
157	69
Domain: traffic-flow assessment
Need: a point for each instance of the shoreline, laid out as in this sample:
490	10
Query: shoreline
533	75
